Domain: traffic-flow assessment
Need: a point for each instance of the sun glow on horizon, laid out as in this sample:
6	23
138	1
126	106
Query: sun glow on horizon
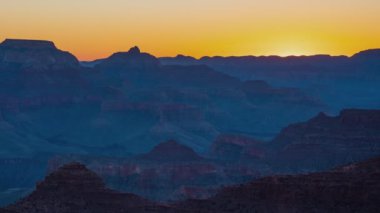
92	29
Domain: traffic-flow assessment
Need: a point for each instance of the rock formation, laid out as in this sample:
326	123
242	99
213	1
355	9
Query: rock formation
74	188
35	55
171	151
352	188
324	141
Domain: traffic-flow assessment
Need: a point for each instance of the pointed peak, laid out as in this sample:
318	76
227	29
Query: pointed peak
321	115
72	175
134	50
172	151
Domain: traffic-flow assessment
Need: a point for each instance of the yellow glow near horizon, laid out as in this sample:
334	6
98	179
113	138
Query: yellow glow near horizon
93	29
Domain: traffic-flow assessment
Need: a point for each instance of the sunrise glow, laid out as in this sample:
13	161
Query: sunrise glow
93	29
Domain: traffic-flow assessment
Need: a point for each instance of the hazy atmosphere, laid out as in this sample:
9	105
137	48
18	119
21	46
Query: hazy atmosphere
174	106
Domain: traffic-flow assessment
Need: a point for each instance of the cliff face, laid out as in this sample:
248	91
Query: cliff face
34	73
353	188
74	188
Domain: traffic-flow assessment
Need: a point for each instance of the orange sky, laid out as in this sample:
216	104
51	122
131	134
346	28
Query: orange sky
96	28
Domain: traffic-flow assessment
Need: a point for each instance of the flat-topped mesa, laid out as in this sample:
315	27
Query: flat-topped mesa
27	44
35	55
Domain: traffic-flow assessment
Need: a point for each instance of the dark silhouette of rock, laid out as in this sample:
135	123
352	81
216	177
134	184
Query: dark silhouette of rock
133	60
35	55
134	51
28	44
372	54
74	188
353	188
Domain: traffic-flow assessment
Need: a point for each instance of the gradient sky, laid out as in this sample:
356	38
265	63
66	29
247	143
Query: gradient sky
96	28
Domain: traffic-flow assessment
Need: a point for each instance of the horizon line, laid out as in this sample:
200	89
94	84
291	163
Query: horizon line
196	58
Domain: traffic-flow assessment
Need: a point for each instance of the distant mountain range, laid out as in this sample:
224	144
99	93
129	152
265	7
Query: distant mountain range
228	120
129	100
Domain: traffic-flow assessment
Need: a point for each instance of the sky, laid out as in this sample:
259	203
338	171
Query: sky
93	29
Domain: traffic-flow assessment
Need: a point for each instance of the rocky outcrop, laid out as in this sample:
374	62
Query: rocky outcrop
353	188
74	188
34	55
133	60
324	141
